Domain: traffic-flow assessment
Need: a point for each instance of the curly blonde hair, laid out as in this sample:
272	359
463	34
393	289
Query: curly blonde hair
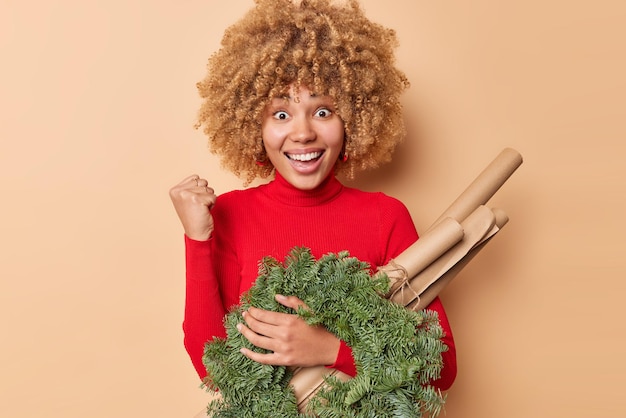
330	48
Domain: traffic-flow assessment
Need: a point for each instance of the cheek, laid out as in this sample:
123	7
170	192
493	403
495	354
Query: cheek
336	136
270	137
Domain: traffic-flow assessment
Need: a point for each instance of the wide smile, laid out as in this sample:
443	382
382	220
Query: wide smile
305	158
305	162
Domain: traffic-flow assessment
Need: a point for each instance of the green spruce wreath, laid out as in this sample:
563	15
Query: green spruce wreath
397	352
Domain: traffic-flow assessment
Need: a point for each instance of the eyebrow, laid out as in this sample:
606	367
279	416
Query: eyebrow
289	97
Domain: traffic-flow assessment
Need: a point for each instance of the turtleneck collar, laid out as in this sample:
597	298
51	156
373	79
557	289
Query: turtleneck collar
282	191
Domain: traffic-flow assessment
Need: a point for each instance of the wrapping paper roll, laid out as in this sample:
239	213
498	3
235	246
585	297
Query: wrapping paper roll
484	186
477	226
307	381
442	281
429	248
434	279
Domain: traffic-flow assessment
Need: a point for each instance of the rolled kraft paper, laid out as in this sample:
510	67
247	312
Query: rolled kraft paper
442	280
437	287
423	252
484	186
476	226
307	381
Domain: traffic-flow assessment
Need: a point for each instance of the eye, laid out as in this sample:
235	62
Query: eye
323	112
280	115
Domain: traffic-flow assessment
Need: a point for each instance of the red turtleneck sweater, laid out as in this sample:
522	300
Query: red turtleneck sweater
270	220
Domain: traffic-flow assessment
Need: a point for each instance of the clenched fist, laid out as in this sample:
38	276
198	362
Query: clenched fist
193	200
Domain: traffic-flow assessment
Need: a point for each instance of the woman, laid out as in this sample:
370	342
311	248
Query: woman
303	91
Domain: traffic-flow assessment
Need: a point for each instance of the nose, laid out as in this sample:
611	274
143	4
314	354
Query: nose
302	130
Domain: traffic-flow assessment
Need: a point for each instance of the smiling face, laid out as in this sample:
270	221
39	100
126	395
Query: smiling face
303	137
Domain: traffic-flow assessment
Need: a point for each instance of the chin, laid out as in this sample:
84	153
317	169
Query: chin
307	183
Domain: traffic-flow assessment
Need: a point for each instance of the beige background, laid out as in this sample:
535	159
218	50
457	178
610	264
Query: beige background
97	102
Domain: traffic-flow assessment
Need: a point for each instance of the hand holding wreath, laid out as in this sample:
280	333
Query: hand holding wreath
288	337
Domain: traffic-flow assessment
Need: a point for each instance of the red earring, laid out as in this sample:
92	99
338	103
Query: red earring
343	157
261	156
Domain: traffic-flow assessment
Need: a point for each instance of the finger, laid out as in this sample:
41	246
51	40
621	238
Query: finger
269	317
204	195
266	325
206	198
188	183
269	358
183	184
190	179
258	340
196	182
203	189
292	302
193	180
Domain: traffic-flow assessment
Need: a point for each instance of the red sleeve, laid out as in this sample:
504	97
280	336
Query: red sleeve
345	361
204	310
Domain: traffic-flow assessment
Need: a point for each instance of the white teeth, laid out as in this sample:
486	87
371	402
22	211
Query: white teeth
305	157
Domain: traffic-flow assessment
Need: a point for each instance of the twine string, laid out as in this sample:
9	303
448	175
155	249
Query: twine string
400	282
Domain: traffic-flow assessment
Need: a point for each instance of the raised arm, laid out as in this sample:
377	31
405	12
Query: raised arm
204	307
